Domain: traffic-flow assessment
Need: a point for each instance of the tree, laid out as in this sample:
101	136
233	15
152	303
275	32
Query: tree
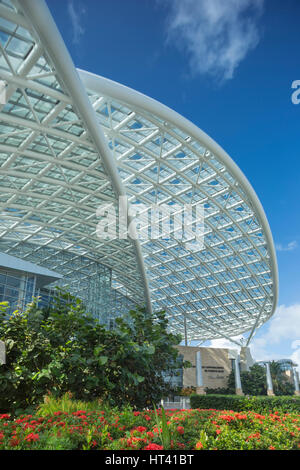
281	383
254	381
63	348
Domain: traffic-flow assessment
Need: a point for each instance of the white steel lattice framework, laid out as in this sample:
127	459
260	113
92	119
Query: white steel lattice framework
71	141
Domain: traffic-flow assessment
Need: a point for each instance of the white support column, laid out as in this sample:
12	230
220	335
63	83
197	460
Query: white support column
296	381
199	376
39	17
269	381
185	332
238	384
2	353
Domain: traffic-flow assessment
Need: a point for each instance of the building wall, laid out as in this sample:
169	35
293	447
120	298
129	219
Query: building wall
216	366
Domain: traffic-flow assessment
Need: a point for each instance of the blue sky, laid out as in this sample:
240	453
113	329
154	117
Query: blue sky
229	68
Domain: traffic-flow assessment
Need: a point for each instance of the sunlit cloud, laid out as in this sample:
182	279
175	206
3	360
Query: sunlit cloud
216	35
289	247
226	343
76	15
284	326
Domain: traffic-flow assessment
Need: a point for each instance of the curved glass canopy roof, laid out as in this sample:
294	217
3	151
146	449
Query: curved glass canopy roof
71	141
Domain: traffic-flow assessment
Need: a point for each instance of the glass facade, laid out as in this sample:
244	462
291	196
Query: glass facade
16	288
90	281
286	364
71	142
176	377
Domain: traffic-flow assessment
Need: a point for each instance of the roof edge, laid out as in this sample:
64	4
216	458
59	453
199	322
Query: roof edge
105	86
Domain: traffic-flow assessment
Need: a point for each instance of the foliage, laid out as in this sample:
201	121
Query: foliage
164	430
218	391
281	384
242	403
127	429
187	391
154	356
66	404
254	382
64	349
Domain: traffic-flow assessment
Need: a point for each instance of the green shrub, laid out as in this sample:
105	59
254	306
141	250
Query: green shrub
218	391
66	404
64	349
242	403
254	381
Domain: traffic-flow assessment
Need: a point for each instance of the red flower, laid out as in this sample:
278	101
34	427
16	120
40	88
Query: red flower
153	447
141	429
254	436
32	437
199	445
180	429
180	444
14	442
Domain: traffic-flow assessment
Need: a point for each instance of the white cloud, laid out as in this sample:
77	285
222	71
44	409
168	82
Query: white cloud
289	247
296	358
225	343
283	326
76	18
295	344
215	34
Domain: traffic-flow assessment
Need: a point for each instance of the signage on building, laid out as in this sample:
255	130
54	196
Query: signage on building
215	370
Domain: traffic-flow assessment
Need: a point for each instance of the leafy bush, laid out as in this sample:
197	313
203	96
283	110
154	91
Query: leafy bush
64	349
254	382
242	403
218	391
187	391
66	404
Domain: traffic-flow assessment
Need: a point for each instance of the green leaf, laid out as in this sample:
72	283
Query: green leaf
103	360
140	379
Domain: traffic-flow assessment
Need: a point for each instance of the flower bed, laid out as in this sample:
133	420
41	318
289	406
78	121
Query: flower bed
130	430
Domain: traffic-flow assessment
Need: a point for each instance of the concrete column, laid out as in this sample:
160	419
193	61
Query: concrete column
2	353
246	360
296	382
269	381
185	333
199	377
238	385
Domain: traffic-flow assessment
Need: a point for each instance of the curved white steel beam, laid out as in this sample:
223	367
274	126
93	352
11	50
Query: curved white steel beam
39	16
53	132
109	88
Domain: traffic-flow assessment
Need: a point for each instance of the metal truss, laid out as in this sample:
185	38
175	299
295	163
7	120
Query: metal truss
71	141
